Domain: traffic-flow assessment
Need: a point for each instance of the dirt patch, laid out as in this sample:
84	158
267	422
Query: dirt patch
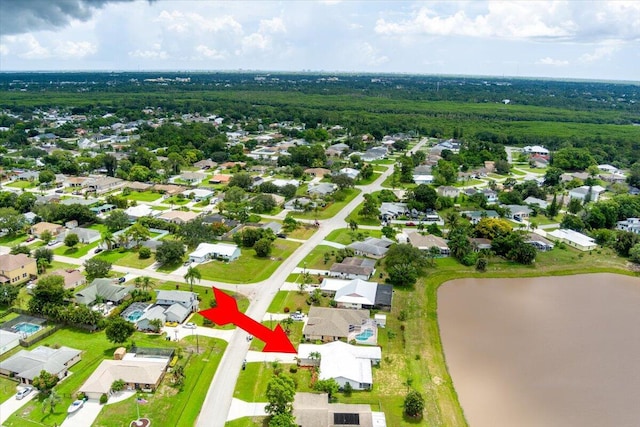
142	422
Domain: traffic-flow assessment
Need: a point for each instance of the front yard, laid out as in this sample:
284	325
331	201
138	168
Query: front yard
331	209
143	196
249	268
77	251
127	258
346	236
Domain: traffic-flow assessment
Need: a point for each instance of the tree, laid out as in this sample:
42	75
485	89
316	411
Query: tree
46	176
553	208
51	401
107	239
118	385
8	294
369	208
289	224
71	240
282	420
144	253
45	381
118	330
192	275
574	206
49	292
552	177
12	221
445	173
20	249
329	386
353	225
96	267
263	203
414	404
117	220
342	181
402	274
281	390
138	233
170	252
572	222
263	247
46	236
242	180
491	228
43	253
634	253
502	167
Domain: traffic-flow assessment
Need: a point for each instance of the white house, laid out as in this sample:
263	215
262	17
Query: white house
206	251
184	298
631	225
139	211
573	239
423	179
355	293
581	193
535	150
343	362
199	194
8	340
350	172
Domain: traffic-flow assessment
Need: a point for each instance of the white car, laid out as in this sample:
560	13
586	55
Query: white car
189	325
297	316
23	392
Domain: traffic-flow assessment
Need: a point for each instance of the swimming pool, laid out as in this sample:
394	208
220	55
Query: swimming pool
135	315
364	335
26	328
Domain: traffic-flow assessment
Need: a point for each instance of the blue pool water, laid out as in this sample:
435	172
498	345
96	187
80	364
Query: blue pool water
364	335
135	315
26	328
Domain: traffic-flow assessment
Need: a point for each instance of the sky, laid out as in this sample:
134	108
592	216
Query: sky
562	39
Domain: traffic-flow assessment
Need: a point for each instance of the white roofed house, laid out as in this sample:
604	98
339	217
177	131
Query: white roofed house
631	225
372	247
104	184
425	243
192	178
146	321
573	239
350	172
139	211
322	189
585	193
189	300
207	251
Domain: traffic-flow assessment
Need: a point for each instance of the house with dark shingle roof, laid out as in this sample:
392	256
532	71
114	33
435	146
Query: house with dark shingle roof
26	365
104	289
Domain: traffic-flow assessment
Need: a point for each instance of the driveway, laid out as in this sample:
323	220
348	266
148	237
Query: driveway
85	416
11	405
240	408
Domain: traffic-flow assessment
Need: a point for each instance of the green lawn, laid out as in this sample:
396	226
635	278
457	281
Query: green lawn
295	334
293	300
303	232
369	180
8	388
22	184
131	259
12	241
57	265
331	209
315	258
360	219
345	236
248	422
379	168
543	220
517	172
173	200
248	268
76	252
143	196
99	227
170	406
468	182
159	208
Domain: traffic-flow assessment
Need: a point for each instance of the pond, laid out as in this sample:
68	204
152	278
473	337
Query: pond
547	351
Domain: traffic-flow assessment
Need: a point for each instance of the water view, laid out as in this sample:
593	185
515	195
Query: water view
548	351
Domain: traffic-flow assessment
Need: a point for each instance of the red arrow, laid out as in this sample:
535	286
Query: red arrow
226	312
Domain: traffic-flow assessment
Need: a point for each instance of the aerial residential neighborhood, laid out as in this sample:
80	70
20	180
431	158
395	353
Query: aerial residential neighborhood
115	226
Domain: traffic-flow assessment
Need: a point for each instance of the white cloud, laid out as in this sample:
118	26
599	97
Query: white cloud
600	52
555	62
210	53
155	53
274	25
32	47
70	49
4	49
371	55
255	41
180	22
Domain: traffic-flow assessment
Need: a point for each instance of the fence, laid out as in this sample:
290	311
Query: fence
38	336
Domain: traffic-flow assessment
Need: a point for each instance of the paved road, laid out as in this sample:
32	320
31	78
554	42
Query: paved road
216	406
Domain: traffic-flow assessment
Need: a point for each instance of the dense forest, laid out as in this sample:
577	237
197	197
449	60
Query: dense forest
603	117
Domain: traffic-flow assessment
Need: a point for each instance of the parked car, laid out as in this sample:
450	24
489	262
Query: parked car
410	224
281	235
31	238
297	316
98	250
189	325
23	392
60	191
249	337
52	243
122	279
186	263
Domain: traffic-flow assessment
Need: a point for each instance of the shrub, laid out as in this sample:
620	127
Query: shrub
144	253
286	309
293	369
103	398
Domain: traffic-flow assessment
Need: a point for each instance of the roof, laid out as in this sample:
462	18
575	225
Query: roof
139	211
372	245
384	295
341	360
7	337
104	288
178	310
424	242
177	296
42	226
184	216
572	236
276	227
10	262
333	322
71	277
155	312
130	371
357	291
314	410
28	364
222	249
198	192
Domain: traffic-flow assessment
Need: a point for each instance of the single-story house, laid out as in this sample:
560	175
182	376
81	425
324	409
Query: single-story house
104	184
199	194
573	239
207	251
353	268
41	227
138	186
186	299
8	340
105	289
425	243
276	227
192	177
322	189
372	247
374	153
539	242
169	189
139	211
317	172
331	324
392	210
423	179
479	243
517	212
343	362
542	204
178	217
313	409
476	216
85	235
138	373
299	204
448	191
156	312
26	365
581	193
350	172
358	293
205	164
219	179
72	278
282	182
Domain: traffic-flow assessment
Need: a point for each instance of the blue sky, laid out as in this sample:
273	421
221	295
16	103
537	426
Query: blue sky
571	39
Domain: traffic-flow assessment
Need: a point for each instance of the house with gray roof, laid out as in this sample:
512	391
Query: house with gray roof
374	153
542	204
425	243
322	189
353	268
314	410
476	216
85	235
372	247
518	212
189	300
104	289
154	313
26	365
274	226
392	210
331	324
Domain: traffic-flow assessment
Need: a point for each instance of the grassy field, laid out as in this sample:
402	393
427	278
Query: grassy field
331	209
77	251
248	422
369	180
8	389
173	200
22	184
144	196
252	382
295	334
303	232
345	236
12	241
126	259
315	259
361	220
293	300
248	268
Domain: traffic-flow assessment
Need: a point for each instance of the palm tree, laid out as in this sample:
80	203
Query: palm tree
123	241
51	401
147	283
107	239
138	282
192	275
42	265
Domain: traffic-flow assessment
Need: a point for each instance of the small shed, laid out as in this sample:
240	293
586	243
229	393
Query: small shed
119	353
381	320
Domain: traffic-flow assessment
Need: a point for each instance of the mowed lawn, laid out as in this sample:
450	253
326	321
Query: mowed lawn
331	209
12	241
252	382
346	236
292	300
315	259
8	389
248	268
126	259
169	406
77	251
143	196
